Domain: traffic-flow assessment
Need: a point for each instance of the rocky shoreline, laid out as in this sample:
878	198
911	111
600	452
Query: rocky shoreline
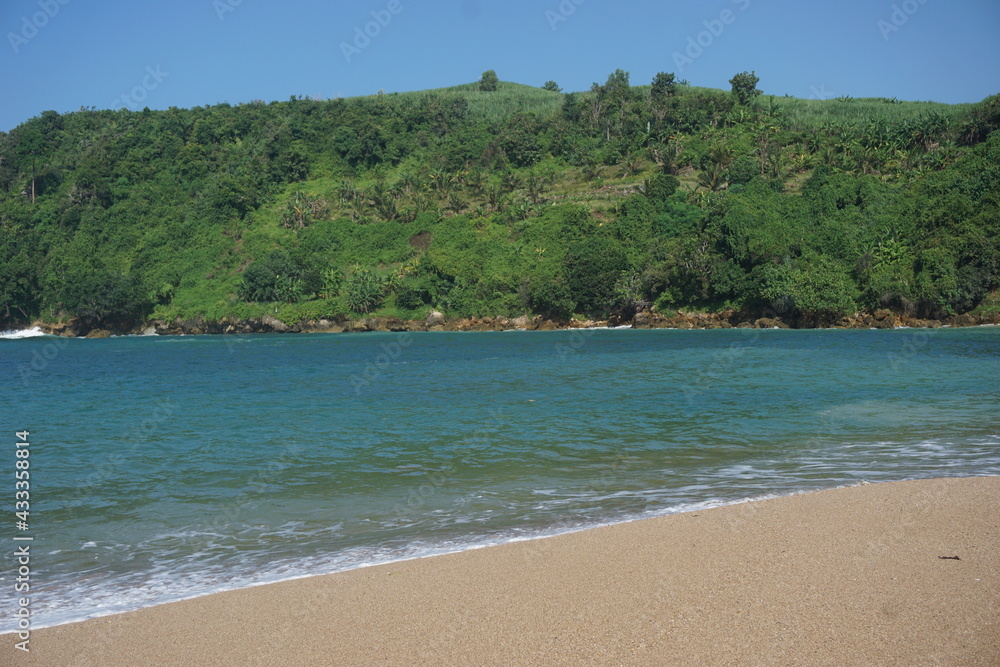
435	321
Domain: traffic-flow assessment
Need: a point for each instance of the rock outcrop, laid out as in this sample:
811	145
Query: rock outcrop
436	321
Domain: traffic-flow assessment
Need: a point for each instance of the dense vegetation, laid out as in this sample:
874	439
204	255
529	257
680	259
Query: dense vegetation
500	199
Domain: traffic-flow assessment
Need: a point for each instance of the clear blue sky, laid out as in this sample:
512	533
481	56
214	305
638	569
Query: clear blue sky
195	52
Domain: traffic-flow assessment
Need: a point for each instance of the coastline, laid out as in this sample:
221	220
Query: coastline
877	319
847	575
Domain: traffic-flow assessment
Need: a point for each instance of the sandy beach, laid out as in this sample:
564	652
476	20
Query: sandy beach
896	573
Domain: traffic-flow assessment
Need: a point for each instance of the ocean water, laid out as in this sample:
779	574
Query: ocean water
165	468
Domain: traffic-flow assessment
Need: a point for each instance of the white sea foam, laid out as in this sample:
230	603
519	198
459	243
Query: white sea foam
146	549
174	573
172	577
34	332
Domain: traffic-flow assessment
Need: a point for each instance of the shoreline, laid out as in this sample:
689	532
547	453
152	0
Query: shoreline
878	319
481	543
34	332
856	573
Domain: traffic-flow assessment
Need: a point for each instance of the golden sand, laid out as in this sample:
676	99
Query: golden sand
855	576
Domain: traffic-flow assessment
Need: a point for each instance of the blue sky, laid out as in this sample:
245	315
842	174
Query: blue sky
64	54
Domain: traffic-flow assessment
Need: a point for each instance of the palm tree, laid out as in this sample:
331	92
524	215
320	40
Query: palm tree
521	210
535	187
359	205
476	180
631	166
455	203
346	192
712	177
383	200
592	170
775	164
511	181
397	189
495	197
410	181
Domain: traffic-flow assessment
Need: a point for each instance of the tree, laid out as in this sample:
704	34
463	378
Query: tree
553	86
592	268
661	95
331	278
518	139
745	87
572	108
489	83
610	102
663	87
813	286
544	290
660	187
20	263
100	294
275	278
301	210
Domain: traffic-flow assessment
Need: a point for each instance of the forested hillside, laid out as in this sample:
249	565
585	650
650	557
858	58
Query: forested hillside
500	199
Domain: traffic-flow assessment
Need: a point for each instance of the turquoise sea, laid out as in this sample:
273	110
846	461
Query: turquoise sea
164	468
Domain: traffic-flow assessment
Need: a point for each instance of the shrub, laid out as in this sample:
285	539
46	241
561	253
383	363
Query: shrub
812	286
321	309
275	278
365	290
659	187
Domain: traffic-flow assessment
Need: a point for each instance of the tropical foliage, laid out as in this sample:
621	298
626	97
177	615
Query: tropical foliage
494	198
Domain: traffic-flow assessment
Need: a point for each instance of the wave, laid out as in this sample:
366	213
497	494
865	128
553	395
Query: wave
93	594
33	332
174	573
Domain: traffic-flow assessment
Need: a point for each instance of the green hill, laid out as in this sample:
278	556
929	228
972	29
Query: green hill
520	200
509	98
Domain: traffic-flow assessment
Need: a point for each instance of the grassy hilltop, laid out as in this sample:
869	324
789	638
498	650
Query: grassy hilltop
518	200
